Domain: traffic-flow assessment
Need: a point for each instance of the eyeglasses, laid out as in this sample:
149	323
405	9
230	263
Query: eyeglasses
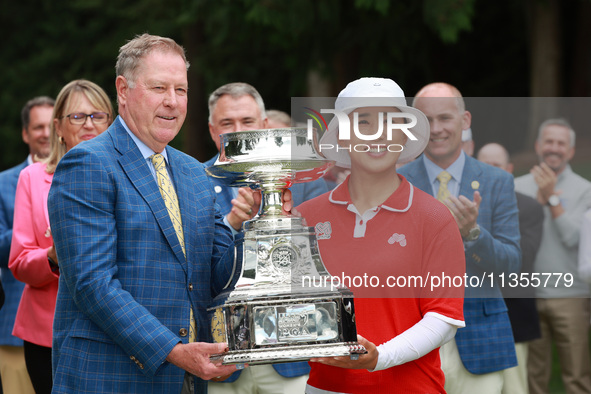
80	118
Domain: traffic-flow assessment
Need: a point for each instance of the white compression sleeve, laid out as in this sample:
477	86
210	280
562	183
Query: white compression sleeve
429	333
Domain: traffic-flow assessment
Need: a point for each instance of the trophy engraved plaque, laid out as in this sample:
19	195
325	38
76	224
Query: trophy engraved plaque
272	314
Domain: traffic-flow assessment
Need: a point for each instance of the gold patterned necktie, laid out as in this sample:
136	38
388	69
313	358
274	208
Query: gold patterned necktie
443	193
172	205
169	196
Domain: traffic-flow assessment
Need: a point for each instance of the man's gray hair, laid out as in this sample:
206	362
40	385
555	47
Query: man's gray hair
236	90
130	54
558	122
40	101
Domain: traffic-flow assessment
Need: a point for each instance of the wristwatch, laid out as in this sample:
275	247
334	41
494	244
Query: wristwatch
553	201
53	265
473	234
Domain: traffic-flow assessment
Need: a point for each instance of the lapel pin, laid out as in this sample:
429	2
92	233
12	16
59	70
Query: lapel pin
475	185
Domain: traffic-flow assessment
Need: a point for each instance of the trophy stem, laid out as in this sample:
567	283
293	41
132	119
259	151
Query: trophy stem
271	202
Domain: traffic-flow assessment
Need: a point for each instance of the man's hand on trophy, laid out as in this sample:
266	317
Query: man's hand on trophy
194	357
365	361
287	202
244	207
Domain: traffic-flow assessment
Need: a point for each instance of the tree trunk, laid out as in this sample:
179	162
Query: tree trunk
580	75
196	139
546	58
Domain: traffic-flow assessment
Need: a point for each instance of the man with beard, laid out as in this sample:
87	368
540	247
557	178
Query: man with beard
563	304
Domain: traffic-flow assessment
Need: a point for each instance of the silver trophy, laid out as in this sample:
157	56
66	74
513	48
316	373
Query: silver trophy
283	307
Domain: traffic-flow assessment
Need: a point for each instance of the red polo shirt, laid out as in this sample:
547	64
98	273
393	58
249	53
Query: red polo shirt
397	247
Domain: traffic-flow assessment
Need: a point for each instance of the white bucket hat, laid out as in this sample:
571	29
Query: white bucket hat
375	92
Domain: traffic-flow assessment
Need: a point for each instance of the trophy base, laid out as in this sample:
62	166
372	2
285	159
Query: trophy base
279	326
290	354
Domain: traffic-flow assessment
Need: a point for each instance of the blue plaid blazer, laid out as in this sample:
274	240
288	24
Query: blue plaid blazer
125	287
301	192
13	289
486	343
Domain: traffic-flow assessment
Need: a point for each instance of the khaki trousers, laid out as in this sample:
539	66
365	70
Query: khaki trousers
459	381
15	378
564	321
262	379
515	379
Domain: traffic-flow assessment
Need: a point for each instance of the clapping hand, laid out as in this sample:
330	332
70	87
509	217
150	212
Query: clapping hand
545	178
465	211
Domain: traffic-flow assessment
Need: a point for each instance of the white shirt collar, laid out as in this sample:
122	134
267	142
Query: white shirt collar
145	151
335	199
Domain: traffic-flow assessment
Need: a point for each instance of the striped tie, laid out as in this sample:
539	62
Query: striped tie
172	205
443	193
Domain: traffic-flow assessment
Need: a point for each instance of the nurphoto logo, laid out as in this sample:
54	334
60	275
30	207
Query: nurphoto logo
408	121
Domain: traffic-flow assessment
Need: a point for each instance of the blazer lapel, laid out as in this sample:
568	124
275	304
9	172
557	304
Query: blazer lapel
420	179
136	168
471	178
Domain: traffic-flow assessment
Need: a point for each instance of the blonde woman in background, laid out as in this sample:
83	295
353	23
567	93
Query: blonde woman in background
82	111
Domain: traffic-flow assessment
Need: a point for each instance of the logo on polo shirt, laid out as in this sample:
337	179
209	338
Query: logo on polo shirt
400	238
323	230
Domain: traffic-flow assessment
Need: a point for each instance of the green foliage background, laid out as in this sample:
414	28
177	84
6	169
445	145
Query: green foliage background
480	46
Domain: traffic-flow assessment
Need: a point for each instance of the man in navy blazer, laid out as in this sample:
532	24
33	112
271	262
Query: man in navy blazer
234	107
483	202
128	289
36	120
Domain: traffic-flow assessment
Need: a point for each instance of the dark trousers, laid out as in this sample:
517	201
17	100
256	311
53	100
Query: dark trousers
38	361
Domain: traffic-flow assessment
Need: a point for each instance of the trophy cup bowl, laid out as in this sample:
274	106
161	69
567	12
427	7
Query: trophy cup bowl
283	307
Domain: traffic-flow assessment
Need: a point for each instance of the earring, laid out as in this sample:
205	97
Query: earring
60	139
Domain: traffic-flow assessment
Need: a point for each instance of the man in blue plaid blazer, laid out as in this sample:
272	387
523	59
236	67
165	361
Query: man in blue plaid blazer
127	288
484	205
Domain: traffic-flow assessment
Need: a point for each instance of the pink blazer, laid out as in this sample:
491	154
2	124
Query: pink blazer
28	257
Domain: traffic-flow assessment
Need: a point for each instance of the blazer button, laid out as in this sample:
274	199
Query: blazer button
191	286
132	358
183	332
